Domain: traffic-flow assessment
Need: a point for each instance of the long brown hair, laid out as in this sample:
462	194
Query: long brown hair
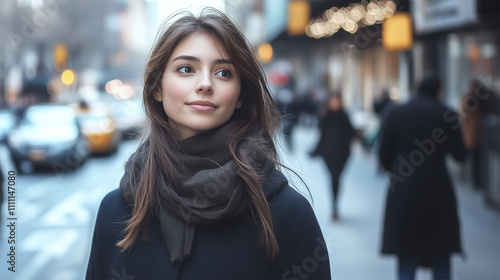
258	113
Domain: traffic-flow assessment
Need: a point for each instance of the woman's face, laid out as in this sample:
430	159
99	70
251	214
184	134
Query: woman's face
200	86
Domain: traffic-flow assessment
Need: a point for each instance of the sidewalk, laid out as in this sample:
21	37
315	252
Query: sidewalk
354	241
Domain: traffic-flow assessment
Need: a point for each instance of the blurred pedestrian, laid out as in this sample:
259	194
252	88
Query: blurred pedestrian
383	103
202	197
307	106
421	224
477	103
334	143
19	108
381	106
287	105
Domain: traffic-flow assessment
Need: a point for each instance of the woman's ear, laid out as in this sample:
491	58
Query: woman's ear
239	104
158	96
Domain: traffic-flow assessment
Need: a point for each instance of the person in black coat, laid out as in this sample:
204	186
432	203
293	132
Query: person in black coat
334	143
421	224
202	197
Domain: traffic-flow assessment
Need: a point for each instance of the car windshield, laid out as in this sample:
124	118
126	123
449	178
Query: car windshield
91	118
49	115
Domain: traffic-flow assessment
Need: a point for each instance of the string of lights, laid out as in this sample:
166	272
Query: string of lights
350	18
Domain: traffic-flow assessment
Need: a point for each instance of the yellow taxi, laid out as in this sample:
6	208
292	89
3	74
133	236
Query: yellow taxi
98	125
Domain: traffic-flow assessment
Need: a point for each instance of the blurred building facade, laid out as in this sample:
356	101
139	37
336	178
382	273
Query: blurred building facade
457	39
350	58
97	40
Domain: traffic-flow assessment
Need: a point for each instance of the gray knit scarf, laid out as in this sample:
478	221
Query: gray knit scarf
211	192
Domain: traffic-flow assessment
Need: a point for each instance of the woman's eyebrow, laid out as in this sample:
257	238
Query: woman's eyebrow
195	59
186	57
223	61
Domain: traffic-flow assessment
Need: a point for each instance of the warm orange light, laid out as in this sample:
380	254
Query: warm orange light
397	32
265	52
60	56
68	77
299	13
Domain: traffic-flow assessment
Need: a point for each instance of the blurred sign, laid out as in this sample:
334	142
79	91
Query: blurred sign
299	14
397	32
438	15
60	56
275	13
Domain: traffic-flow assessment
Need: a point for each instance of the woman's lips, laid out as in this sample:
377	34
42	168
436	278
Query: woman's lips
202	105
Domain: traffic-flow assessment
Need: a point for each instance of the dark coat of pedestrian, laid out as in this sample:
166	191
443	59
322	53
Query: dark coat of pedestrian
334	144
421	223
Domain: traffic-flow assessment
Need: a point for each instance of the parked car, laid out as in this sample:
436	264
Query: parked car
98	125
48	135
7	121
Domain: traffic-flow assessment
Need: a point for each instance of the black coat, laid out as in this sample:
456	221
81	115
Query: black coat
421	209
336	136
227	250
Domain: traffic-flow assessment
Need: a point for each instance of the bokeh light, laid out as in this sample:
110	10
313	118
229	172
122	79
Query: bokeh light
350	18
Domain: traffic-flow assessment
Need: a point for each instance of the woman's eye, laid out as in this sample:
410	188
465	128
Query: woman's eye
185	69
224	73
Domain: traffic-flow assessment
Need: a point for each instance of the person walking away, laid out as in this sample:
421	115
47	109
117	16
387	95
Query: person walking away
334	144
421	223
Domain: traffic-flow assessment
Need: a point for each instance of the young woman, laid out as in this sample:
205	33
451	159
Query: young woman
334	144
202	197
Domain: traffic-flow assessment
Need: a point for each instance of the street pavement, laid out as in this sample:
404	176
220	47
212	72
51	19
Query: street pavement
56	215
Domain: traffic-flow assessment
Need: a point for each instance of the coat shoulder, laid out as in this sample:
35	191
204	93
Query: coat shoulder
291	210
284	199
290	201
113	204
113	213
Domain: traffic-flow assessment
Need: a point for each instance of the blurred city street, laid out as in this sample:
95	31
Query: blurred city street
72	87
56	215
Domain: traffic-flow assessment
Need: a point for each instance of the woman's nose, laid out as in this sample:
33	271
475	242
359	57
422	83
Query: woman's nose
205	85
